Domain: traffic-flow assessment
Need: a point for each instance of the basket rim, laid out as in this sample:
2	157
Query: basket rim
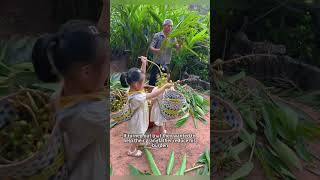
16	163
236	113
174	90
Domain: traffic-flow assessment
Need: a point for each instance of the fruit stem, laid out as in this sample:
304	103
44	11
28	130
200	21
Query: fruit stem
155	65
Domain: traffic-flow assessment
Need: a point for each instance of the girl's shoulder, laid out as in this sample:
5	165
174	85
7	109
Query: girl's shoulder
138	96
85	111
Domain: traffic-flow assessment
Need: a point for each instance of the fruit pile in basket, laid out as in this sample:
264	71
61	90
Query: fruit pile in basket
118	100
28	125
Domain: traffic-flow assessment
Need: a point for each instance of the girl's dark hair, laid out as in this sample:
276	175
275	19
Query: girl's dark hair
76	42
127	78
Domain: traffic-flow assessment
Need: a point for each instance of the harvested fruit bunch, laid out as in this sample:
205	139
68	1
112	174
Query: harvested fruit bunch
31	127
219	120
161	80
197	105
118	99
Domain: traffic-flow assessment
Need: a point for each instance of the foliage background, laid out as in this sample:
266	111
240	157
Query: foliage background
133	26
292	23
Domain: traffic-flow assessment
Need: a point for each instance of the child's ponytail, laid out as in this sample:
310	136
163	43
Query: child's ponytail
124	79
133	75
40	58
76	42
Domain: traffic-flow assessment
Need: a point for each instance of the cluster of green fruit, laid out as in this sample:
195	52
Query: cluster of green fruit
118	99
161	80
30	129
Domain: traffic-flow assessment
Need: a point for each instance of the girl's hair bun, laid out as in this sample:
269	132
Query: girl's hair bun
124	79
40	58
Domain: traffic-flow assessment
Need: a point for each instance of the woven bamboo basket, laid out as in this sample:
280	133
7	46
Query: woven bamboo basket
171	104
222	139
48	163
124	114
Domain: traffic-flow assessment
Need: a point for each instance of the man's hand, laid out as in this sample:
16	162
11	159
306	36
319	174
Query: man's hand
155	50
143	60
143	63
178	44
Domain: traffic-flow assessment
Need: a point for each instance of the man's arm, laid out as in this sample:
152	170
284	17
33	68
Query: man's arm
153	44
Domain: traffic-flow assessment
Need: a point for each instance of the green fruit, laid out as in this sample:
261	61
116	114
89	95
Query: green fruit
199	110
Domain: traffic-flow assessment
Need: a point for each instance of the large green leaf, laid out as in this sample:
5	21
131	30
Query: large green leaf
170	163
269	172
248	117
242	172
246	137
153	166
302	151
134	171
236	77
182	120
286	154
237	149
182	167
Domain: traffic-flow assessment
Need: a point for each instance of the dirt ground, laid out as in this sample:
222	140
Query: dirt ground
120	160
118	150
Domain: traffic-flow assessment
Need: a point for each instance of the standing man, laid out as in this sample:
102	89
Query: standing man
162	56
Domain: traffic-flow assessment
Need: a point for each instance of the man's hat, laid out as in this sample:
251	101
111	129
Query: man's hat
167	22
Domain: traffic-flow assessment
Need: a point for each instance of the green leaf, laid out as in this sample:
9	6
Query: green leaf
111	170
309	130
28	66
242	172
202	159
264	163
153	166
287	173
134	171
155	17
199	99
4	69
195	122
236	77
182	120
199	110
246	137
207	153
112	124
183	166
286	154
247	116
237	149
269	129
170	163
302	151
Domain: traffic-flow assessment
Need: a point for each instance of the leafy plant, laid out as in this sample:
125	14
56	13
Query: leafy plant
203	167
197	106
133	27
275	132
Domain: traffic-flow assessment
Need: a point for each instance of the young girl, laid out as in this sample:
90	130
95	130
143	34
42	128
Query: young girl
156	115
137	98
76	57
